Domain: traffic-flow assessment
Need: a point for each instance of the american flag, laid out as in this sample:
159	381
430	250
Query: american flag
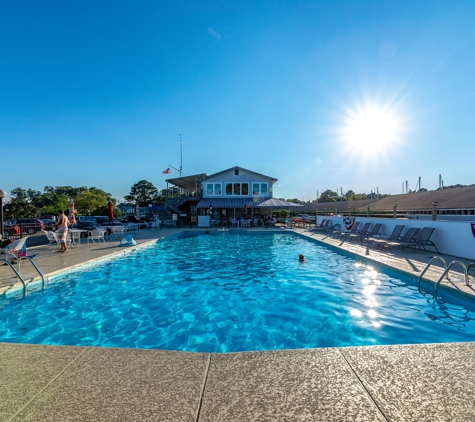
167	171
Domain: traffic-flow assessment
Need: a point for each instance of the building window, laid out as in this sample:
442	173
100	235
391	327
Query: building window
235	189
209	189
236	172
260	189
213	189
264	189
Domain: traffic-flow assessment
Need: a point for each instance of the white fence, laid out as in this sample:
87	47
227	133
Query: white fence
451	237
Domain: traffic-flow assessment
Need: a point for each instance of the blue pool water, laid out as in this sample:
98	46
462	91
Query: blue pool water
234	292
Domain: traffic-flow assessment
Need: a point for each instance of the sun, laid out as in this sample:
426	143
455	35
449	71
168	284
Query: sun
371	130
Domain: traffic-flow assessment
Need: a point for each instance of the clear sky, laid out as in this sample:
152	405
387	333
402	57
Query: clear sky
361	95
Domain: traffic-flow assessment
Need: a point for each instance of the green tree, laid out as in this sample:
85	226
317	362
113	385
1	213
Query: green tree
105	194
68	191
90	201
142	193
50	203
328	196
22	203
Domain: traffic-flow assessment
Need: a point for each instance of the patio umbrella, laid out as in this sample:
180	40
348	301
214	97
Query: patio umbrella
137	212
110	205
71	216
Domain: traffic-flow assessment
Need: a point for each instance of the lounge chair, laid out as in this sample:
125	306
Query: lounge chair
324	226
405	240
338	233
320	226
357	233
371	233
15	249
421	240
15	252
385	238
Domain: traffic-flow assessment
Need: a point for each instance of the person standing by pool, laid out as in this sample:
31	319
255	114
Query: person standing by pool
62	224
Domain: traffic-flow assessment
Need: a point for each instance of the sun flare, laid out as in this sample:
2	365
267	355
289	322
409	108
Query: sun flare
371	130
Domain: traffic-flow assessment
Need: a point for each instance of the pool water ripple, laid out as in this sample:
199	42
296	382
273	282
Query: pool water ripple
228	292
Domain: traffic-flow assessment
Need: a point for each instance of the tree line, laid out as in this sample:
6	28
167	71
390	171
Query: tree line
87	201
29	202
332	196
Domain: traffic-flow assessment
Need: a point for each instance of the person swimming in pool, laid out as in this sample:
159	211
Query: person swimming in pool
302	257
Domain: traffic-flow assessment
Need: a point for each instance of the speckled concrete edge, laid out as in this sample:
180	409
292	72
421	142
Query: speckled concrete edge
377	264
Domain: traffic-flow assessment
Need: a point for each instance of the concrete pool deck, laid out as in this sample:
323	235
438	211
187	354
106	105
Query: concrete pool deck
395	383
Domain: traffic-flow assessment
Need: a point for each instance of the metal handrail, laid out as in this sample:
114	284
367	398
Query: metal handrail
447	270
472	264
434	258
17	274
37	269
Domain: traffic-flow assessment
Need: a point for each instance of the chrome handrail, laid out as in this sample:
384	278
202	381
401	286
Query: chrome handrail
38	270
17	274
447	270
434	258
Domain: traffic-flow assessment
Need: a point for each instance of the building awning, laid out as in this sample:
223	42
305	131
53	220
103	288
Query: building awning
189	183
231	202
279	204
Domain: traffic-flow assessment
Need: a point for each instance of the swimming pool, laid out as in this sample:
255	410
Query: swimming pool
227	292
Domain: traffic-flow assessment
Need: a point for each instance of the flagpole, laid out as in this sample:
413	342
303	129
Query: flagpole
181	157
181	153
174	168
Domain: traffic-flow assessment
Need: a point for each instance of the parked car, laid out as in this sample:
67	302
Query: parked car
104	221
92	222
10	229
129	219
306	218
27	225
86	223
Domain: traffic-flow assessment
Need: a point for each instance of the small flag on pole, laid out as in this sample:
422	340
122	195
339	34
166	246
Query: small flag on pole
167	171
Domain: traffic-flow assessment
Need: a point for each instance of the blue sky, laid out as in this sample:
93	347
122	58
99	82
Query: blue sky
359	95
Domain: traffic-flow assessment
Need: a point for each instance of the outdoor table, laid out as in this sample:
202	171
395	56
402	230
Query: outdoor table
70	234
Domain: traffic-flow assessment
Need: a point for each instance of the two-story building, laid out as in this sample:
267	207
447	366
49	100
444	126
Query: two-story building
235	192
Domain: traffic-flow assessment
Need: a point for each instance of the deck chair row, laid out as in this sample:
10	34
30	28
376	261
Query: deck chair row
413	237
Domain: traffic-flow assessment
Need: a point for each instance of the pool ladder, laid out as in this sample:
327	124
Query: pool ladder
465	268
17	273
